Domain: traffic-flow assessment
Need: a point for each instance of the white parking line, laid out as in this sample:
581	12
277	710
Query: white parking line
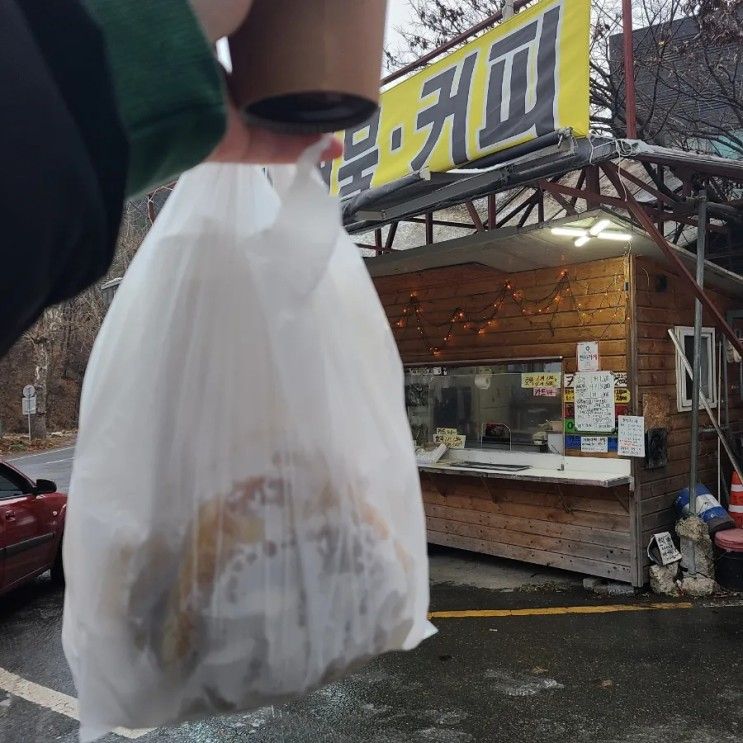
63	704
38	454
57	461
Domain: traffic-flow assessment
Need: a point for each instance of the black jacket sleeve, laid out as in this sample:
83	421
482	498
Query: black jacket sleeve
63	159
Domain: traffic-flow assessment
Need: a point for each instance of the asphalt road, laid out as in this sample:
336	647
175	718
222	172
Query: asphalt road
538	676
53	465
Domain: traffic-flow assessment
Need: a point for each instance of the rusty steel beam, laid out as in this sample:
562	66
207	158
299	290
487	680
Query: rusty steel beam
390	237
533	201
589	196
491	211
523	205
429	228
647	224
438	222
474	216
559	198
378	239
638	182
579	185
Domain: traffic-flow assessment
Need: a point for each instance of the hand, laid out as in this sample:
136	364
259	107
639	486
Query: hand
242	143
246	144
220	18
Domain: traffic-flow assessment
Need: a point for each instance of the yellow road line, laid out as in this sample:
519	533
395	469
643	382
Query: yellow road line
556	610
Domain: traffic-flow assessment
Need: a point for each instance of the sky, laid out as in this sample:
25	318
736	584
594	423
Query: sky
398	14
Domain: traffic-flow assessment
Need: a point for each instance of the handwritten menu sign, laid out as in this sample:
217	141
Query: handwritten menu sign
594	444
631	436
594	401
588	356
533	380
449	437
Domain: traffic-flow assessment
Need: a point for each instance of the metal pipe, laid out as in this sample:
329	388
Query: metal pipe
647	224
696	380
630	103
687	367
458	39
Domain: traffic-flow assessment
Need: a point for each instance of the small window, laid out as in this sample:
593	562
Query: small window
8	488
708	367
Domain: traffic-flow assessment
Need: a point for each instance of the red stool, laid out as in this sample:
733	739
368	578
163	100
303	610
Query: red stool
729	567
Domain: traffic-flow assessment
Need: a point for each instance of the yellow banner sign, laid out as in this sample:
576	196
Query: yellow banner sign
525	78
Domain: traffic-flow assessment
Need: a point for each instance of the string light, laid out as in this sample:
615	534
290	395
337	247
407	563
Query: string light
479	321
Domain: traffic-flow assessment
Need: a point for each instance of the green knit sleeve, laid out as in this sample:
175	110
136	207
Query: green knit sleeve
169	87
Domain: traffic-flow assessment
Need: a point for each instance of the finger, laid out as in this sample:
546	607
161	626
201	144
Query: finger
270	147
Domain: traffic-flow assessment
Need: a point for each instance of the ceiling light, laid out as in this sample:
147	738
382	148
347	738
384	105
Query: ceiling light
613	235
600	226
581	241
569	231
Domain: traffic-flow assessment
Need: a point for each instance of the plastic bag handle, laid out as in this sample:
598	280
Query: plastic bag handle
308	223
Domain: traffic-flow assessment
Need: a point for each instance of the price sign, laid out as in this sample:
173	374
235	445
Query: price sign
594	401
588	356
631	436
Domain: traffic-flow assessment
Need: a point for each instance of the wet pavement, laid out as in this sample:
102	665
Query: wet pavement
672	675
545	677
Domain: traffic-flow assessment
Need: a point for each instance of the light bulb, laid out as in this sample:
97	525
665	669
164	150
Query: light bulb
600	226
569	231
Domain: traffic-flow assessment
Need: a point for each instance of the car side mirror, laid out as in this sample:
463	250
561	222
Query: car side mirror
45	486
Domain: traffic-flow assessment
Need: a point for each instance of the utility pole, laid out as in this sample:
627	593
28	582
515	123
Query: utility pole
630	102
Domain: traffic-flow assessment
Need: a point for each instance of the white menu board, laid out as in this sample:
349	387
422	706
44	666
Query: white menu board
631	436
594	402
588	356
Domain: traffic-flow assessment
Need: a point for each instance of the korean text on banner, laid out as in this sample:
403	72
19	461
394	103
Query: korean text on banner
524	78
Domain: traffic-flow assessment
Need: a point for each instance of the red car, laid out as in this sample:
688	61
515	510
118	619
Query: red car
32	515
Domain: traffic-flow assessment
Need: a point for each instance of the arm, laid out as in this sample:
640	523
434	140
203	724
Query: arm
59	210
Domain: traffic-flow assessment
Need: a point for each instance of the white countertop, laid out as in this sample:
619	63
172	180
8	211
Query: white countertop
595	471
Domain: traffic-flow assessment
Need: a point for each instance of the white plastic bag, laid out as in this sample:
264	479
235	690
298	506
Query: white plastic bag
245	519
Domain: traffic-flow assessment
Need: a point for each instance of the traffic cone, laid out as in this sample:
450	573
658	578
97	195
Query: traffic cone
736	500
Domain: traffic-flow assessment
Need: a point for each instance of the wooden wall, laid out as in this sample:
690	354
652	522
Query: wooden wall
575	528
656	312
598	287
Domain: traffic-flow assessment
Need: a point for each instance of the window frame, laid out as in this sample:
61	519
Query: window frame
24	485
683	401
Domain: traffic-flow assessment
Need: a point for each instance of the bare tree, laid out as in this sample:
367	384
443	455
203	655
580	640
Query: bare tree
705	66
61	340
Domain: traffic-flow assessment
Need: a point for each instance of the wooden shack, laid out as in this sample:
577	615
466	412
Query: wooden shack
575	504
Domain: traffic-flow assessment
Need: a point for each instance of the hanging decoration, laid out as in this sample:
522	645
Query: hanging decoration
478	321
436	336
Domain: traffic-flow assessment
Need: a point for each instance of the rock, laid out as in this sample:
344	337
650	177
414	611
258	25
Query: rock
696	548
607	588
620	589
663	579
698	586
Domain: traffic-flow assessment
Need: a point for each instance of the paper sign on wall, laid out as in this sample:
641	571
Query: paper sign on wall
588	356
631	436
546	392
594	401
594	444
530	380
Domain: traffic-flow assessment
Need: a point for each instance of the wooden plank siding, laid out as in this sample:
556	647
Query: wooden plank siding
585	529
656	312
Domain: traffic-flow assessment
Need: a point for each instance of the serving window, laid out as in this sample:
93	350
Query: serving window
502	405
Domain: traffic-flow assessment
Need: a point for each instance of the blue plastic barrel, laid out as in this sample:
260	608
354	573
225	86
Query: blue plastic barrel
708	509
